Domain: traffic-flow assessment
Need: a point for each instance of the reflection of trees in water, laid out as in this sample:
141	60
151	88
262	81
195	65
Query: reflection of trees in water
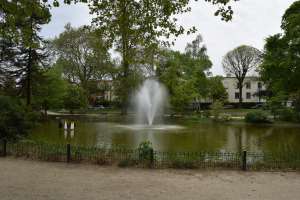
246	137
203	137
48	132
196	137
283	140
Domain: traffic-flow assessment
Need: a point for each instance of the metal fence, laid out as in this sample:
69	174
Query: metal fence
134	157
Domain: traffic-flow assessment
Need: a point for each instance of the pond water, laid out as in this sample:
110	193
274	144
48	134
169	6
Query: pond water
185	136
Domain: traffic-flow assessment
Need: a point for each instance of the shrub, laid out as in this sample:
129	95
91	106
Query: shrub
15	120
145	151
287	114
257	116
224	118
216	109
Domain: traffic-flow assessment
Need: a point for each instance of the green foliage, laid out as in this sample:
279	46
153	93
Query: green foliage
83	55
132	25
184	74
224	117
217	91
15	120
276	103
280	69
257	116
23	50
8	87
216	109
75	98
145	151
51	89
287	114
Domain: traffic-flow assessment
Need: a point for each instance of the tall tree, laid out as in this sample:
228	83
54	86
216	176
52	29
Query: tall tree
129	24
21	21
239	62
50	89
184	74
280	68
83	55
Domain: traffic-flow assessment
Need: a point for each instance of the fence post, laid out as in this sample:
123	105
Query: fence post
68	153
244	161
4	147
152	157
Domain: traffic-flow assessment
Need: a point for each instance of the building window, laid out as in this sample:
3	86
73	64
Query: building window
237	95
248	85
248	95
259	85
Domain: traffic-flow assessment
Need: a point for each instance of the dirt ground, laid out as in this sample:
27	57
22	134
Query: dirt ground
25	179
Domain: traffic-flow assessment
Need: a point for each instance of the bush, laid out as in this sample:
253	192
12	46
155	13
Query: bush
15	120
216	109
145	151
224	118
287	114
257	116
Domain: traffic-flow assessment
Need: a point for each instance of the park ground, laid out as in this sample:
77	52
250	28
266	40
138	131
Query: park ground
26	180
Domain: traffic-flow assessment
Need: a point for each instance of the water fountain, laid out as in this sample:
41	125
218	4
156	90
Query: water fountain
150	102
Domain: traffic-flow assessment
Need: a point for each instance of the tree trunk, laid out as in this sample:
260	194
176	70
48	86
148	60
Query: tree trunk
125	86
29	69
125	45
28	84
45	114
241	95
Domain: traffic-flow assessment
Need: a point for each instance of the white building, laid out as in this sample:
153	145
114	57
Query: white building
251	90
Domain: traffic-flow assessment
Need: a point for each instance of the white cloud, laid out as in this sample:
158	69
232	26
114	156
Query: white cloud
254	20
77	15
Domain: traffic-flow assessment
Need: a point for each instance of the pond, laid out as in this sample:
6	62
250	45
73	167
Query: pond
187	135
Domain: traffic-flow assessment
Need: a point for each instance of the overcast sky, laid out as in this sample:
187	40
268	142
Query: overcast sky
253	21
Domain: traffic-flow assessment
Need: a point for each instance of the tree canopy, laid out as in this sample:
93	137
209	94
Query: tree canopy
184	74
281	62
83	55
22	52
131	24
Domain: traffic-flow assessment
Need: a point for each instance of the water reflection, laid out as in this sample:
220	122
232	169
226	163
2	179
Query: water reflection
193	137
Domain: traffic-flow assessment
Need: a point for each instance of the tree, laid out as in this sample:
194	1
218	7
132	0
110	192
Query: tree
83	55
280	69
22	53
50	90
184	74
239	62
217	91
8	87
74	98
15	121
129	24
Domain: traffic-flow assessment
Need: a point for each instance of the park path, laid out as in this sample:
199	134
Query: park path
33	180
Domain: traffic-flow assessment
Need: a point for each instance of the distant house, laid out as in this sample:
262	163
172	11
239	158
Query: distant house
252	90
104	92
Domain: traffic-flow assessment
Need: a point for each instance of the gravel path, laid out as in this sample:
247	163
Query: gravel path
26	180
